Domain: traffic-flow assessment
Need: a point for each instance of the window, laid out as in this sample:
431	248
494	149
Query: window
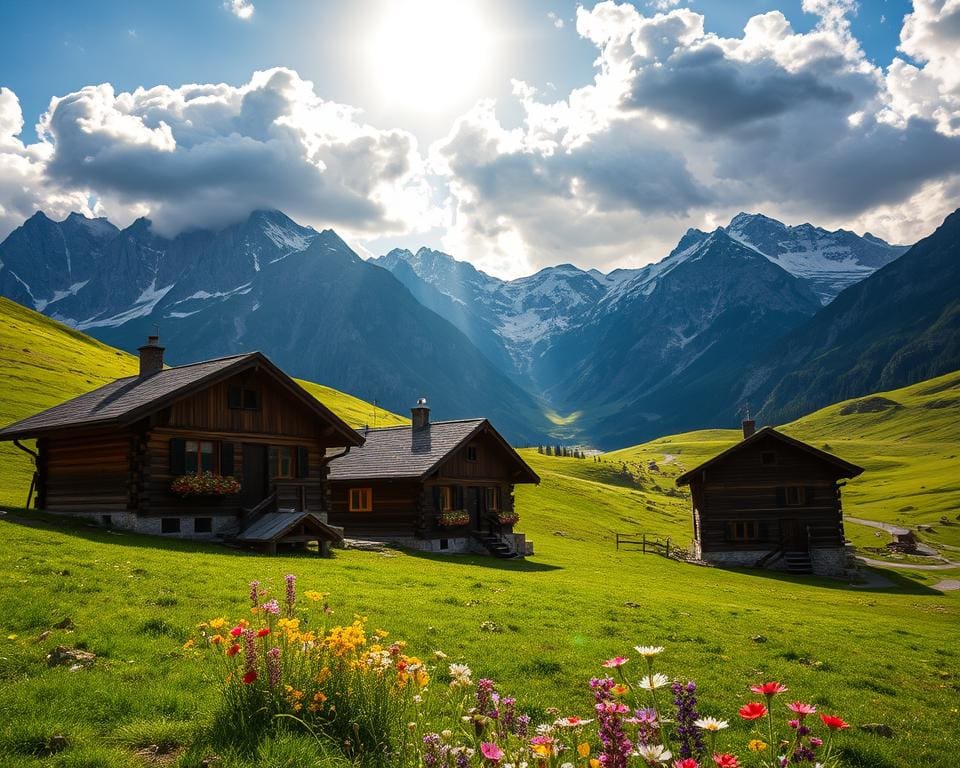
444	544
243	398
493	499
795	496
282	461
203	525
170	525
106	520
768	458
199	457
742	530
361	499
446	498
471	453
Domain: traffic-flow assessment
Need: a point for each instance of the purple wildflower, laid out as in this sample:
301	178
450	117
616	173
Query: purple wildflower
249	651
254	593
615	746
271	606
485	693
523	726
273	666
648	726
291	593
689	737
434	751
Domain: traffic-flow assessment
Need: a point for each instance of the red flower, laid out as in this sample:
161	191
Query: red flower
769	689
263	632
726	760
688	762
833	723
233	650
236	632
753	711
250	677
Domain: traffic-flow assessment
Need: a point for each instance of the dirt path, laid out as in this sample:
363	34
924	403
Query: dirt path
909	566
895	530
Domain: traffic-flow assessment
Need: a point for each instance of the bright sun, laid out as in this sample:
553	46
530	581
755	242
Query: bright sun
430	54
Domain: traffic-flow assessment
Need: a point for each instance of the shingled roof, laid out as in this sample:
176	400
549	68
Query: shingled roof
844	468
127	400
408	453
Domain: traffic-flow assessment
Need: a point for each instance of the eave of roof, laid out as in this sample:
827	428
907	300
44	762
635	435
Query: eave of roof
849	470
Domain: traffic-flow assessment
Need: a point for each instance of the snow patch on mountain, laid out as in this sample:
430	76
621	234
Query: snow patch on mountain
142	306
42	304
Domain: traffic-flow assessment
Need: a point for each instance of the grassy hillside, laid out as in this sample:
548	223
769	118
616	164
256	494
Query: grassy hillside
907	440
540	627
43	362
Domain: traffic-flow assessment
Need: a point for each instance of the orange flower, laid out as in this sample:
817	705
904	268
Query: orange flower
216	639
619	690
753	711
233	650
583	749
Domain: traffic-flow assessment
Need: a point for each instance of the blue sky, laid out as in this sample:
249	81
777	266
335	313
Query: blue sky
511	134
58	46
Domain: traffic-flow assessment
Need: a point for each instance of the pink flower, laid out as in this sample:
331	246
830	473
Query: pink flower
687	762
236	632
491	752
616	661
726	760
802	709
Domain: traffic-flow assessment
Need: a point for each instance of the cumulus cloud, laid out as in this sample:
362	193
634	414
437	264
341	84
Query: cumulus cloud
23	184
242	9
682	126
204	155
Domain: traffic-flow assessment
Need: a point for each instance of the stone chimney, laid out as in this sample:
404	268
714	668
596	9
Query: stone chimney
151	357
420	414
749	427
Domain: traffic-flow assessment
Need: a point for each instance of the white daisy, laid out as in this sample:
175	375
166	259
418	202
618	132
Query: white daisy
653	753
657	680
711	724
648	651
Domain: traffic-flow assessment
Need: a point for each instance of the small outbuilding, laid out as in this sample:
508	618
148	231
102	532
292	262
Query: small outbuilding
205	450
444	486
770	501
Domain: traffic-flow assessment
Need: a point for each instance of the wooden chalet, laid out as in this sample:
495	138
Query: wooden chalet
771	501
409	485
112	454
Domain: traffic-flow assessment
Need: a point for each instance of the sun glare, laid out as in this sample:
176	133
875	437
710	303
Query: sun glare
430	54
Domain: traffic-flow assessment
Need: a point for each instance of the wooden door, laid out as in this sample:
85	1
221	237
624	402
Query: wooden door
475	502
794	534
255	483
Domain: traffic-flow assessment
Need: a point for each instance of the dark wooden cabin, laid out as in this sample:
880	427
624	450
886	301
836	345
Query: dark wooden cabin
770	501
112	454
399	484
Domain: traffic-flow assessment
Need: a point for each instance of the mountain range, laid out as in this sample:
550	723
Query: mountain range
783	318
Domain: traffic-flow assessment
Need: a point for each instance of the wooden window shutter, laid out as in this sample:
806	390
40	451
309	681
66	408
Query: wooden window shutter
781	497
234	396
226	458
178	456
303	461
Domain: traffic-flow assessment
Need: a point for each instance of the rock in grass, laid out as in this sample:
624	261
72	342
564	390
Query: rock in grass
759	639
67	623
880	729
77	659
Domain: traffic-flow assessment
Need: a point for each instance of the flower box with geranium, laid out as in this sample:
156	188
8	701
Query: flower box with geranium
205	484
453	518
508	518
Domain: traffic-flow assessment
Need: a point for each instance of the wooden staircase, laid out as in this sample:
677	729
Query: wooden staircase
798	561
497	546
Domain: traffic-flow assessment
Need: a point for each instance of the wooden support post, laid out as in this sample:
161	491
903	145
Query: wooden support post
644	543
668	546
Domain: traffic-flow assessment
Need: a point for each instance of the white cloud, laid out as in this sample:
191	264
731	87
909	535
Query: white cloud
242	9
557	21
682	126
203	155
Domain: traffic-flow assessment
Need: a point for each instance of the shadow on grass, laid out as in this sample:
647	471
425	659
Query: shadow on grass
483	561
896	583
84	529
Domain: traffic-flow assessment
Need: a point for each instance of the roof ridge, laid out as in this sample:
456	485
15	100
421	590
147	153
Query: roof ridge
431	424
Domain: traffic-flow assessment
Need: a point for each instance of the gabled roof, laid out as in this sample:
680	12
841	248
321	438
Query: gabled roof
844	468
124	401
407	453
273	526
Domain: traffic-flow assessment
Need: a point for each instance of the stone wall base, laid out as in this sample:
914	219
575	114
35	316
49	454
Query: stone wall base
454	545
221	526
829	561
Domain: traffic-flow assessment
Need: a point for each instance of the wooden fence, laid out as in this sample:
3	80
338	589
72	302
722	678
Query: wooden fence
648	544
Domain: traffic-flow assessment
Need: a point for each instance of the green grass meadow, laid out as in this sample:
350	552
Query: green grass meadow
540	627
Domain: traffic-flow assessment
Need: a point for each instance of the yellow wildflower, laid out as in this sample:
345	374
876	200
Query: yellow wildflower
583	749
756	745
218	623
188	644
619	690
314	596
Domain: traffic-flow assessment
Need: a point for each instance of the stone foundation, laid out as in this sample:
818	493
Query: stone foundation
834	561
830	561
454	545
221	526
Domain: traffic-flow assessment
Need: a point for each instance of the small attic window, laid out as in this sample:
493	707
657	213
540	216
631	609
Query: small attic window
243	398
471	453
768	458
